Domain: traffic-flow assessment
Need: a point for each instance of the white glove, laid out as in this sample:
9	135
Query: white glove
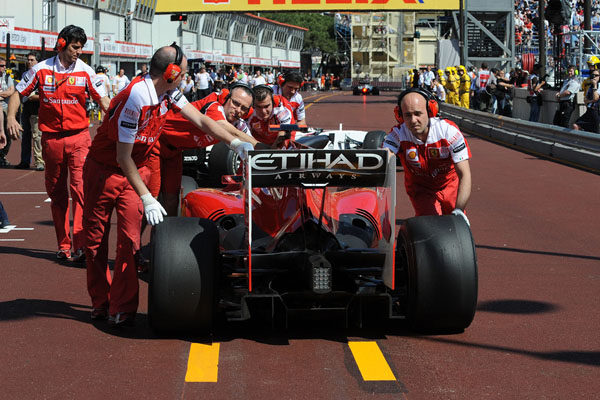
459	212
153	210
241	148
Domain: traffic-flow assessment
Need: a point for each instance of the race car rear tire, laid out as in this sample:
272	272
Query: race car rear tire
184	265
374	140
438	253
355	92
375	91
222	161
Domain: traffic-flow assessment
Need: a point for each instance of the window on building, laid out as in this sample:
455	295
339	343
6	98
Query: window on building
267	38
238	32
252	34
144	10
208	28
222	29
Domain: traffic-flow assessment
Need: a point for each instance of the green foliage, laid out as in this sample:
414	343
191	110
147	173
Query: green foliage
320	34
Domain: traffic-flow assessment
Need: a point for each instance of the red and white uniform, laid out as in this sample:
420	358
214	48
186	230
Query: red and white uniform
483	76
65	136
179	134
282	114
296	102
136	115
430	177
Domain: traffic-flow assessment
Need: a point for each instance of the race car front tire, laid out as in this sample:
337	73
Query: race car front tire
374	140
440	273
222	161
184	262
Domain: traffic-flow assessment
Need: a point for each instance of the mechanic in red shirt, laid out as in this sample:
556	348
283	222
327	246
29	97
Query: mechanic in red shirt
63	83
270	109
287	86
228	109
116	177
434	154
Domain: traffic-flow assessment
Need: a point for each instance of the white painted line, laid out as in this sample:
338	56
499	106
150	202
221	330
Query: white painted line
23	229
38	206
7	228
12	240
47	200
22	193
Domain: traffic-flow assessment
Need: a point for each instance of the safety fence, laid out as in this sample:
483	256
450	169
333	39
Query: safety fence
576	148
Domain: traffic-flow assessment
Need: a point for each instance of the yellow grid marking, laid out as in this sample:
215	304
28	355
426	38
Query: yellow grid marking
203	363
370	361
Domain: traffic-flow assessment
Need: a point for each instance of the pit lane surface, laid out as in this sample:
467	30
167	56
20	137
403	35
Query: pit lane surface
535	333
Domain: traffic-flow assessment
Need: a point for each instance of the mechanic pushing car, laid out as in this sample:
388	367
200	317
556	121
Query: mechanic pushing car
270	109
434	153
228	109
287	86
116	174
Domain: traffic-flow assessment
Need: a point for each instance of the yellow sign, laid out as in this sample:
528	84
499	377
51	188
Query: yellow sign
202	6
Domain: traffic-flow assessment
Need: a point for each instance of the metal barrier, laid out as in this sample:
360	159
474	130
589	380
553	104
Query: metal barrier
576	148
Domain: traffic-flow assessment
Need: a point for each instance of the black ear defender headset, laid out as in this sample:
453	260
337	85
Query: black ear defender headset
275	97
431	103
174	69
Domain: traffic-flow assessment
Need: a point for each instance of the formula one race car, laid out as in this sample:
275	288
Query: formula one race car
365	87
309	231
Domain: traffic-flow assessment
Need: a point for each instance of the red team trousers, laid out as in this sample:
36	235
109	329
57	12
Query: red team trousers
64	154
107	189
439	201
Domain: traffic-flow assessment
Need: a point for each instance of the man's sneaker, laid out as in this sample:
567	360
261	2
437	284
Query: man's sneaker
122	319
99	314
63	254
40	167
4	223
22	166
78	256
4	163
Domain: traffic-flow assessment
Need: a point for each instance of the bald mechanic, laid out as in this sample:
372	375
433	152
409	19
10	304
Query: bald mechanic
115	176
434	154
270	109
287	86
228	110
63	83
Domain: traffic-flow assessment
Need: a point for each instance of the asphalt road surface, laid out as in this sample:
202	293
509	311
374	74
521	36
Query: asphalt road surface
536	226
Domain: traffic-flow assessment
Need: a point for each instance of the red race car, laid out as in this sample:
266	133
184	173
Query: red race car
309	231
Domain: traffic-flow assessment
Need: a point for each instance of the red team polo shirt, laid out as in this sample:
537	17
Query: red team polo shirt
282	114
296	102
62	92
179	133
431	164
136	115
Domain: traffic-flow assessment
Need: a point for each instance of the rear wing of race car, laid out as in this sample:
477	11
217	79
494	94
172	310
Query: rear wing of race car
328	171
320	168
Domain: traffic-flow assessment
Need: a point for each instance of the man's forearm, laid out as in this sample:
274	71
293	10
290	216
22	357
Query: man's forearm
464	184
129	168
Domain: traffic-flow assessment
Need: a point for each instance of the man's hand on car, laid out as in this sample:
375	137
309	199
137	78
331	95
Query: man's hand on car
241	148
459	212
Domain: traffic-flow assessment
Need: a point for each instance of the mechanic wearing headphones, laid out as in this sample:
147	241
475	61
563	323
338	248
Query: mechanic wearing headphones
116	175
228	109
270	109
287	86
63	83
434	154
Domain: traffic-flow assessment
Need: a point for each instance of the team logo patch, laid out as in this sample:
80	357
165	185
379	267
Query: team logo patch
460	147
177	96
48	89
434	152
412	155
26	78
131	113
49	80
98	84
71	80
129	125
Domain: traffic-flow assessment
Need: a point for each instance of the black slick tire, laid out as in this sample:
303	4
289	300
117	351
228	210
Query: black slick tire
184	269
374	140
440	267
222	161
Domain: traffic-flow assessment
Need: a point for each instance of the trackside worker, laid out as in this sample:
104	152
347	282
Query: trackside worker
270	109
441	77
63	83
434	154
116	175
287	86
451	87
593	64
464	88
227	109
